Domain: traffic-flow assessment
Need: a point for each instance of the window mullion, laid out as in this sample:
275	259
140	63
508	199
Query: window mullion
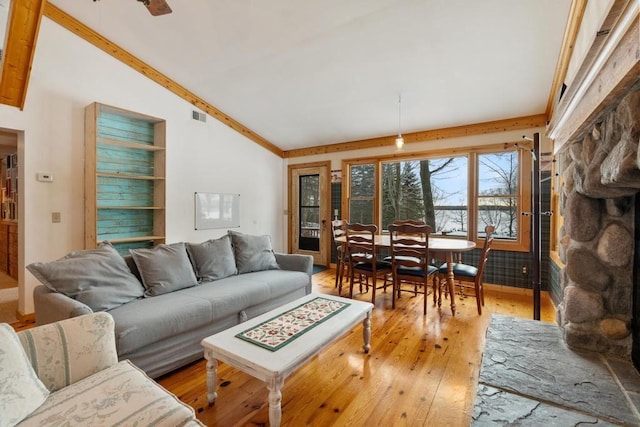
473	197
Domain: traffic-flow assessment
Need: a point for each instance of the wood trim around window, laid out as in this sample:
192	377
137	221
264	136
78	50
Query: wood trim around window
522	244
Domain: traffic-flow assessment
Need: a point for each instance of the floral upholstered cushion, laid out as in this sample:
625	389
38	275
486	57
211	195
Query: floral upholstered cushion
21	392
64	352
120	395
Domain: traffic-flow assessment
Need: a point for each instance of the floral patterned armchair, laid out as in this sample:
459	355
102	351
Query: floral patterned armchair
76	360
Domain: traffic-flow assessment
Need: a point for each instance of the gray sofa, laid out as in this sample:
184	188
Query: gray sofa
161	330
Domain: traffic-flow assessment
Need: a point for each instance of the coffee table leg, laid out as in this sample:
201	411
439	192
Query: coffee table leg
212	377
274	385
366	332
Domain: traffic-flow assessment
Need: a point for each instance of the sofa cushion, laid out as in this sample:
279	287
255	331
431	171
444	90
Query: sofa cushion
21	392
120	395
164	268
97	277
213	259
235	294
149	320
252	253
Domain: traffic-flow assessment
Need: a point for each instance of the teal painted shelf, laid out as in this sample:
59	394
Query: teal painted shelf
124	178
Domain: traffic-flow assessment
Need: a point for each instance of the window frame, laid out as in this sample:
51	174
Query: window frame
521	244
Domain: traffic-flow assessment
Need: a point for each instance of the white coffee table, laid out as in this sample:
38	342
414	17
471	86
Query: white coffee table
273	367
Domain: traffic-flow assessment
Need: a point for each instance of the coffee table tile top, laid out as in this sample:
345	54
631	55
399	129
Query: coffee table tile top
281	330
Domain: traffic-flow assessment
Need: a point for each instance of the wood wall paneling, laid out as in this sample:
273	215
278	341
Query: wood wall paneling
603	78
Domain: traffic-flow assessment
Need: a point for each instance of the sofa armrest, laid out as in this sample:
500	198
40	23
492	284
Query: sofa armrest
295	262
51	306
65	352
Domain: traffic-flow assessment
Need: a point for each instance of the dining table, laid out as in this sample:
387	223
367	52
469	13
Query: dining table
439	247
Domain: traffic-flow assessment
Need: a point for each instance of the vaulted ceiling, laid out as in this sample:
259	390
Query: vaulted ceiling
305	74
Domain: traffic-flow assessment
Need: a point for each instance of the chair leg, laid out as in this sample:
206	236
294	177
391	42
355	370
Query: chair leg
424	299
435	287
351	285
393	291
478	296
338	269
373	296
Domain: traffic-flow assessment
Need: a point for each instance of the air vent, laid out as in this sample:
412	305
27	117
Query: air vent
202	117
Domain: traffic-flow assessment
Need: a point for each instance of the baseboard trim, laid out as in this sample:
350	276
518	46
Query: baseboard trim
30	317
510	289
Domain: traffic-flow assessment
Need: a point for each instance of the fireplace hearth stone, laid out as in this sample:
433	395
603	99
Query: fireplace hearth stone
530	377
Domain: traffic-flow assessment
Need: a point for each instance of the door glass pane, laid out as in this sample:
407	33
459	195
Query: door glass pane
309	214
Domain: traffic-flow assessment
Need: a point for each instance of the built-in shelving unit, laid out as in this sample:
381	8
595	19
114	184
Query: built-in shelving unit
124	178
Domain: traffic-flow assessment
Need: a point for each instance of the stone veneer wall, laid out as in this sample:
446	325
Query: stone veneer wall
601	174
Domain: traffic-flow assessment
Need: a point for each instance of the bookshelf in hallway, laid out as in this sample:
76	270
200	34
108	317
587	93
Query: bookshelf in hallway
124	178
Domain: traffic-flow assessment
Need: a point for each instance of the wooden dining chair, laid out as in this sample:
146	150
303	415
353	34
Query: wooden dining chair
467	276
363	259
339	229
409	221
410	259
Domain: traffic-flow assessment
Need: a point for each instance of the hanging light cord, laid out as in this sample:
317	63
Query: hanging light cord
399	116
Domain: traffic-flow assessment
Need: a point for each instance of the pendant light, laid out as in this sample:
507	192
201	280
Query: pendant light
399	139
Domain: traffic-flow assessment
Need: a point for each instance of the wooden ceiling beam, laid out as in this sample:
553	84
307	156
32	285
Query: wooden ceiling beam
22	33
78	28
527	122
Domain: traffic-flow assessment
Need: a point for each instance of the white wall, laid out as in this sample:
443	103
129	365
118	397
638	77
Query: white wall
67	75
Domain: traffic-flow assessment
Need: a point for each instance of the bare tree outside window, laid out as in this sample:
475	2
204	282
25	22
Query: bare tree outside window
498	193
425	190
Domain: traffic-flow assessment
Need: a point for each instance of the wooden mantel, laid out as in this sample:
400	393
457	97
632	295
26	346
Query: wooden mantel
610	70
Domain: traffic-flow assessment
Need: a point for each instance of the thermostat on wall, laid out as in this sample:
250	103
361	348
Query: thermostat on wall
44	177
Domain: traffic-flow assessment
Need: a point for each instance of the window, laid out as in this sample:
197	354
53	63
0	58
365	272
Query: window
433	190
498	194
362	193
457	195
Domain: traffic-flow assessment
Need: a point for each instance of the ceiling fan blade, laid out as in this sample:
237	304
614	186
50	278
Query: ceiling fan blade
158	7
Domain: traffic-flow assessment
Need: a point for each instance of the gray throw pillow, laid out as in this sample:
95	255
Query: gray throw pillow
164	268
97	277
213	259
253	253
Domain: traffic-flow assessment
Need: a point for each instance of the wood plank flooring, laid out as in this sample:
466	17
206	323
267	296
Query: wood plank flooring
422	370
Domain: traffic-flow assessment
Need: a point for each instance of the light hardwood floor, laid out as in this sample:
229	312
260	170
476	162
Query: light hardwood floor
422	370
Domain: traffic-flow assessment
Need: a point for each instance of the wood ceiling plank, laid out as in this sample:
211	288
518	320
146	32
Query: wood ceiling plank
70	23
527	122
22	30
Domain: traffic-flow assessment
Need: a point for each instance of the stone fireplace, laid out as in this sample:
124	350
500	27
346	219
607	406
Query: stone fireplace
601	177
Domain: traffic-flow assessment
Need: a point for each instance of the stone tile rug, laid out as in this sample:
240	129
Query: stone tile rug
530	377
